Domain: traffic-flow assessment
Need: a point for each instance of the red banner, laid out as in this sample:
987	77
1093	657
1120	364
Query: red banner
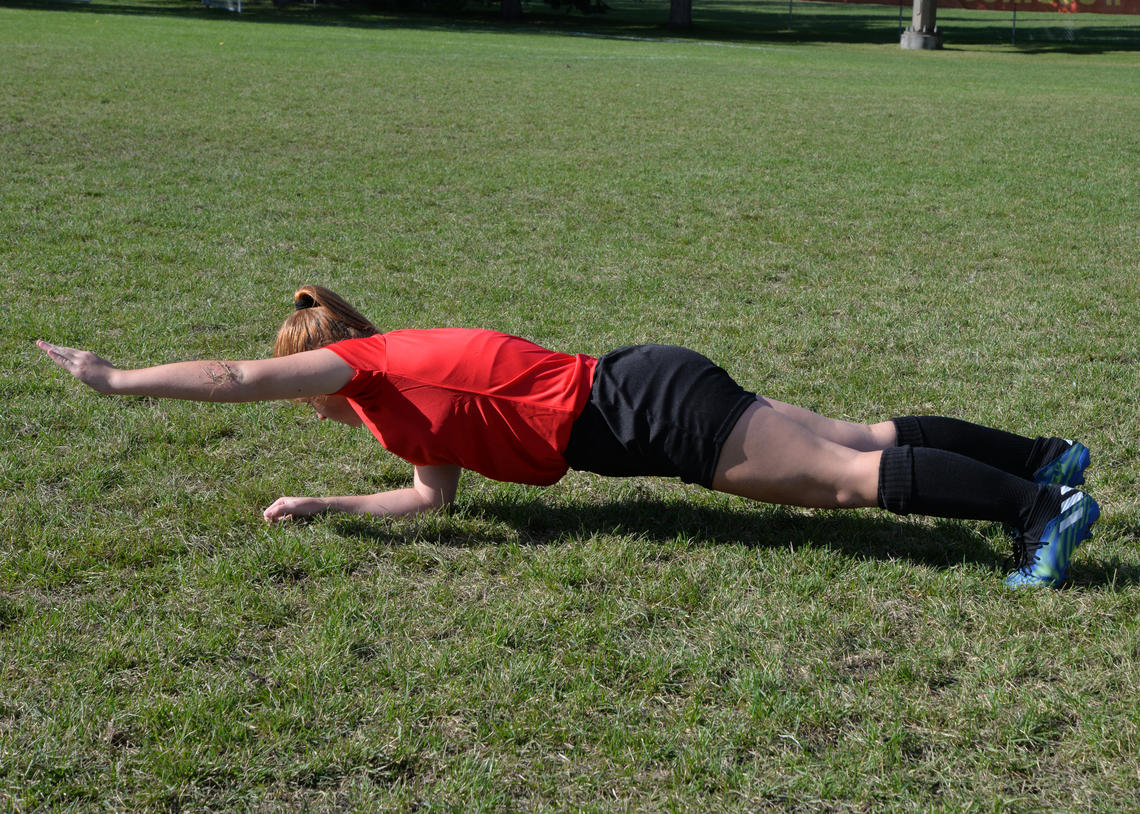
1063	6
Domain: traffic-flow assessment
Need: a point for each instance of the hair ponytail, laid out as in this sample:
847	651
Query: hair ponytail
320	317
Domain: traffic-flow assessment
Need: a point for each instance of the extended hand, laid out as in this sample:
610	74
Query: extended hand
291	508
94	371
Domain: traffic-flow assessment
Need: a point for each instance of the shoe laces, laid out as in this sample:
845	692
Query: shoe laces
1025	554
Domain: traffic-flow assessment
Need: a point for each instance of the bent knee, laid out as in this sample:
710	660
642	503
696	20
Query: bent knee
884	434
858	486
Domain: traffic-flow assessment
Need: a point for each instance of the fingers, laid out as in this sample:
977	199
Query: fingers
92	370
57	350
62	355
54	352
293	508
278	511
272	512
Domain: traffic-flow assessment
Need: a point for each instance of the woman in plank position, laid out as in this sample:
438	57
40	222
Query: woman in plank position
452	399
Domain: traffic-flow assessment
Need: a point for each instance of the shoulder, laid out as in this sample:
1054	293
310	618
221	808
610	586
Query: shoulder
364	352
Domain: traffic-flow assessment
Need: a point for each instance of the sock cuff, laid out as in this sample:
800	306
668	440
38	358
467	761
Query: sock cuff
896	479
908	429
1044	450
1047	505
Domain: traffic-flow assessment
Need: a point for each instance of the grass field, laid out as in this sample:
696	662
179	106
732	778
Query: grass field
858	229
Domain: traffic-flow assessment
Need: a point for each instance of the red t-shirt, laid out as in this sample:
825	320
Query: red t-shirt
483	400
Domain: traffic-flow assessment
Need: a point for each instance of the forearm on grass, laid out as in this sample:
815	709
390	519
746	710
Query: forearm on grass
433	488
394	503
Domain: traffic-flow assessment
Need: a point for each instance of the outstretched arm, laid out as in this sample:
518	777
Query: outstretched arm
312	373
433	487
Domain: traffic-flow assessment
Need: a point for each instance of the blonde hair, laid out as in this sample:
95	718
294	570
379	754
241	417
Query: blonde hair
320	317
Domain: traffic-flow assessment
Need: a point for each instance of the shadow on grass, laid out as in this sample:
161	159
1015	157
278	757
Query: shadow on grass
856	534
859	535
765	22
1110	572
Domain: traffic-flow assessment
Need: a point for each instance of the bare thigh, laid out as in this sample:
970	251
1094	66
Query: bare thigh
772	457
864	437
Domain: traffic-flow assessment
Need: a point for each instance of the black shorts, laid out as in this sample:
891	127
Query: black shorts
656	410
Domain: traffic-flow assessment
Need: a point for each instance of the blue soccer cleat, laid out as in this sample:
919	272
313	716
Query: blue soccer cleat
1067	468
1043	559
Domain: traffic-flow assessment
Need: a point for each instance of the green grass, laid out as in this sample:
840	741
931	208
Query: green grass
844	225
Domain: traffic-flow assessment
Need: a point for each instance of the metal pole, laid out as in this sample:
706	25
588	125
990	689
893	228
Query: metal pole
1013	29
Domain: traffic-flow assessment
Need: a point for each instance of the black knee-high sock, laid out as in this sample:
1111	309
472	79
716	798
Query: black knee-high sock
945	484
1007	451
